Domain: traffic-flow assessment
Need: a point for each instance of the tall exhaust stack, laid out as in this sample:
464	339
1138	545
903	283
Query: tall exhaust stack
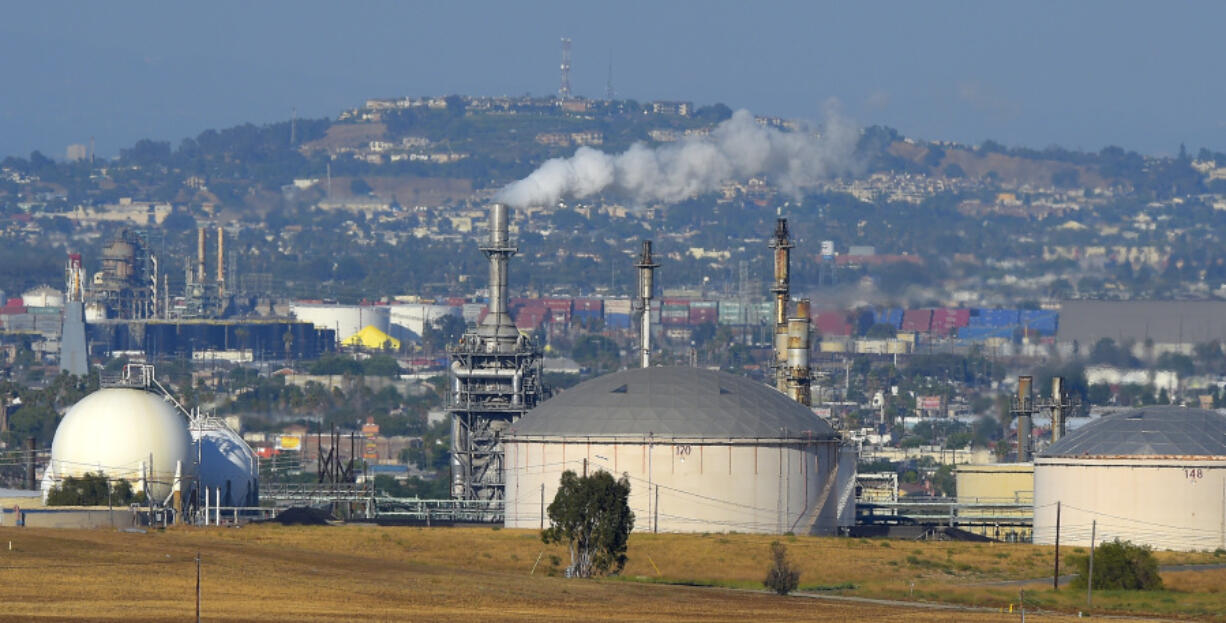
647	268
782	244
200	234
1024	410
1057	408
221	262
799	378
498	330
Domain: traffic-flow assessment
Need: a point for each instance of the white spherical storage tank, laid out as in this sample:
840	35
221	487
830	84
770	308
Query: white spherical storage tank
228	465
124	433
704	451
1154	476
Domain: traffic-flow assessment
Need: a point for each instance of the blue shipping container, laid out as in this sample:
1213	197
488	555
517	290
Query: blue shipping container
617	321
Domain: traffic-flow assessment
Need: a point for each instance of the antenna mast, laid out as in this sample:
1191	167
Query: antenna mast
564	89
609	93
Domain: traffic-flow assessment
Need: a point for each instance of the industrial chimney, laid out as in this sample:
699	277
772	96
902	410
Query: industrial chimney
799	378
647	269
782	245
200	234
221	262
497	329
1024	411
1058	406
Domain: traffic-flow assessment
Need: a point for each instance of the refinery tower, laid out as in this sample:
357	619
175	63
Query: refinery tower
495	377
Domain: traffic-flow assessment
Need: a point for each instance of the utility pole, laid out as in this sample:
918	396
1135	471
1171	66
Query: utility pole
542	506
197	587
656	518
31	483
1055	575
1090	579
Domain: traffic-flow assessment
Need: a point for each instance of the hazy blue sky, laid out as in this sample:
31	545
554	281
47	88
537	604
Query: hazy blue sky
1146	76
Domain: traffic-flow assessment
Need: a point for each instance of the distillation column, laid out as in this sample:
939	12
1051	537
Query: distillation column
647	269
782	245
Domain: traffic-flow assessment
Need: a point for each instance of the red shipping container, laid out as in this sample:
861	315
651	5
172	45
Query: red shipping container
558	305
963	318
832	323
919	320
700	315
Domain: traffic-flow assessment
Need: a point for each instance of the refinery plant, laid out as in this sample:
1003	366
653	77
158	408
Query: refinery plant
704	450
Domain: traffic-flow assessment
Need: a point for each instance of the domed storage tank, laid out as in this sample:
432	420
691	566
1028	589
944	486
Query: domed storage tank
704	451
227	464
116	431
1153	476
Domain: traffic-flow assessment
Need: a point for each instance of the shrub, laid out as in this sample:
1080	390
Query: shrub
1120	565
781	577
91	490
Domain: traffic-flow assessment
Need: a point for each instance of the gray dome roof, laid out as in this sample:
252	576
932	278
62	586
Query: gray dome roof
673	403
1148	431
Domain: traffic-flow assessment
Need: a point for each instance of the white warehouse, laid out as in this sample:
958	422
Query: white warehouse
1153	476
704	452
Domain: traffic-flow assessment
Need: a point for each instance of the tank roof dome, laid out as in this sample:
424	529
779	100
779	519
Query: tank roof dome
673	402
1147	431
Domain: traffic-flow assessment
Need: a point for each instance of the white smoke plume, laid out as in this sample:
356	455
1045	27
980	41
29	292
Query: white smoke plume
735	149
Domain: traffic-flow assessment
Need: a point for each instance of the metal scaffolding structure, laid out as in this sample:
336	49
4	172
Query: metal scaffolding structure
495	378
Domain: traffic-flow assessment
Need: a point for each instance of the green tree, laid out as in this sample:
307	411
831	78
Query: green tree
781	577
92	489
592	515
596	352
1120	565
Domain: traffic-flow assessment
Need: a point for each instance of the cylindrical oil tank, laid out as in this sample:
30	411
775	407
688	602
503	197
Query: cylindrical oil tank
703	451
1154	476
344	319
127	434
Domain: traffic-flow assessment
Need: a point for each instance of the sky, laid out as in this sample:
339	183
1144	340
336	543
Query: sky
1083	75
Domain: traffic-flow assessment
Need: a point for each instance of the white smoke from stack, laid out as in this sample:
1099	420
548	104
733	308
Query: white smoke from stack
736	149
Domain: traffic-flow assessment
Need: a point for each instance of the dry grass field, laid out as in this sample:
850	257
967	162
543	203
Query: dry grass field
276	573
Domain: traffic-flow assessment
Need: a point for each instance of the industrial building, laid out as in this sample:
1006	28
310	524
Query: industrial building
1154	476
275	339
704	451
1155	327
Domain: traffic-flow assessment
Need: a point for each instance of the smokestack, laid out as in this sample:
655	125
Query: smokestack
799	382
1025	409
200	255
221	262
782	244
647	269
1057	408
498	329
